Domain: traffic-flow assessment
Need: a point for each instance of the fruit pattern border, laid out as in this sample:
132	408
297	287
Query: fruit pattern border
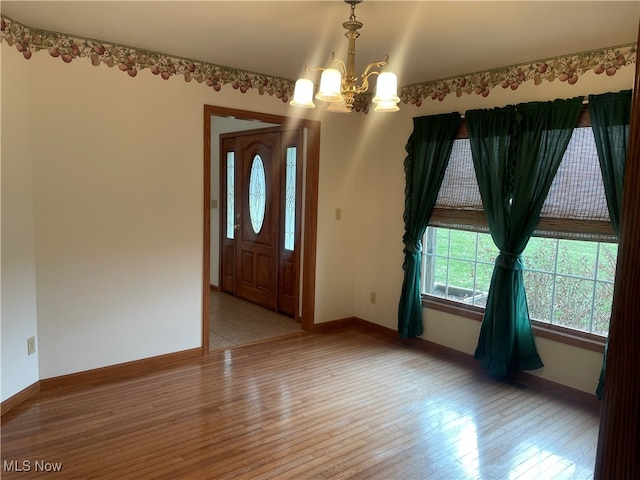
567	68
131	60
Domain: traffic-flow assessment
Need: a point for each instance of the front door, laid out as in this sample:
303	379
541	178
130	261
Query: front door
260	217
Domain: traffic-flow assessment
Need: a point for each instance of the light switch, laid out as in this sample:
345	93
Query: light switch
214	204
338	214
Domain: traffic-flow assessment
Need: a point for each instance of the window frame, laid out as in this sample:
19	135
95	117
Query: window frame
557	333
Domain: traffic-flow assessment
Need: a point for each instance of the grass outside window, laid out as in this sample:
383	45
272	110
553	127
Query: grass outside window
569	283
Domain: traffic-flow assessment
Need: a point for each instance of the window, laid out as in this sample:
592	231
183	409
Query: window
290	199
257	194
230	194
569	261
568	282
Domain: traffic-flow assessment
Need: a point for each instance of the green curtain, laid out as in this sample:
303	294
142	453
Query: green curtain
428	151
516	153
610	115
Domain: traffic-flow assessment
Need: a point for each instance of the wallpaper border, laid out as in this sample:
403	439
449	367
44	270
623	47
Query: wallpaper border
132	60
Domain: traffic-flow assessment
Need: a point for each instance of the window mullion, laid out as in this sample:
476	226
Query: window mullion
553	288
475	273
446	286
595	285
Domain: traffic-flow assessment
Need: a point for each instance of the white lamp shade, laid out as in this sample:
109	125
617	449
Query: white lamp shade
330	85
303	94
386	107
386	89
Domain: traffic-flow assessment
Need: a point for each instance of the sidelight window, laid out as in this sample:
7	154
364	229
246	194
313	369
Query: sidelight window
290	199
230	194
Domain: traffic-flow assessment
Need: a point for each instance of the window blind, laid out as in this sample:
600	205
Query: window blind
575	208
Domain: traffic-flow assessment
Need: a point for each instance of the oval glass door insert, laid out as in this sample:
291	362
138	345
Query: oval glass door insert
257	194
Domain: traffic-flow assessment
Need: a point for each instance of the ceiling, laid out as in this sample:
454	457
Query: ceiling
426	40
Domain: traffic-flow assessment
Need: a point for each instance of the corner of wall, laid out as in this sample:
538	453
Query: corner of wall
18	310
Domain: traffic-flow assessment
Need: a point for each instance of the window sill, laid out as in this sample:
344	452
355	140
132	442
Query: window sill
576	338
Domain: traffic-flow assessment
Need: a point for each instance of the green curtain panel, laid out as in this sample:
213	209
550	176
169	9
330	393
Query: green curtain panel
610	115
516	153
428	151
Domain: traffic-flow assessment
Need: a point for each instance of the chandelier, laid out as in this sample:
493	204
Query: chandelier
339	85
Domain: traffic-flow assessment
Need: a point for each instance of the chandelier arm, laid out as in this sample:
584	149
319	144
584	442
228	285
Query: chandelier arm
341	64
369	71
364	86
378	64
316	69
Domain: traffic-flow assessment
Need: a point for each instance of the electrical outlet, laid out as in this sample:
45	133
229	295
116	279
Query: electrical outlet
373	297
338	214
31	345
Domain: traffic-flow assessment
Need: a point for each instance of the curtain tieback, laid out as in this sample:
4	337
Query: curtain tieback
411	245
509	261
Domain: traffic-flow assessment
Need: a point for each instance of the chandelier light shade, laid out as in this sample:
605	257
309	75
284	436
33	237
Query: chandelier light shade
386	88
339	86
330	86
303	96
386	107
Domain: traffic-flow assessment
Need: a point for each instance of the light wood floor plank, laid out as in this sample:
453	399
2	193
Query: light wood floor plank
348	405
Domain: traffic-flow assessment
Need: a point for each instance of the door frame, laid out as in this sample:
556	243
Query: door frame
309	210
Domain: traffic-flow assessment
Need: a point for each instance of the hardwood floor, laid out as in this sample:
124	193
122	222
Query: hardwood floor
235	322
347	405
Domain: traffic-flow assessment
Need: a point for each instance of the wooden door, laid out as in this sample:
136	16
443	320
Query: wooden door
257	216
259	236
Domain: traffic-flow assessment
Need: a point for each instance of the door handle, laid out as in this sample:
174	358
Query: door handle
236	226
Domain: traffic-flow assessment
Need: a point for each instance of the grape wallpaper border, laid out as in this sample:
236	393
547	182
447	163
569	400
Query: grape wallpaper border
568	68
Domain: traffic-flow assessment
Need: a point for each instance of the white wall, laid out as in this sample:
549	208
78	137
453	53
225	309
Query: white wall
118	214
117	206
18	316
338	240
380	225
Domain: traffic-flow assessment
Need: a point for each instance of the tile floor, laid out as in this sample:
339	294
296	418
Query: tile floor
235	322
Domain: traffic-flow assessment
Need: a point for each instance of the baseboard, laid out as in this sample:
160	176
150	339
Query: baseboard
526	378
214	288
589	399
120	371
335	325
19	397
146	365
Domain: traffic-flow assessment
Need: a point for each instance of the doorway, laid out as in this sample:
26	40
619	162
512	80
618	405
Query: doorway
260	185
261	266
